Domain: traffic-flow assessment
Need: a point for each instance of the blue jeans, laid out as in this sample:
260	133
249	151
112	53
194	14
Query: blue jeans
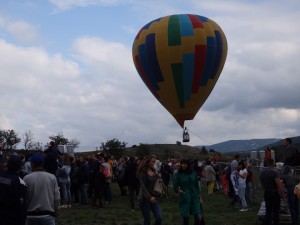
65	189
146	206
84	195
293	205
48	220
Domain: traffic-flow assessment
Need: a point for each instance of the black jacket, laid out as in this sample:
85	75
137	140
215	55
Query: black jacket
12	199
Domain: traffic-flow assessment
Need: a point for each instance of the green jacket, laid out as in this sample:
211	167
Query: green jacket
189	202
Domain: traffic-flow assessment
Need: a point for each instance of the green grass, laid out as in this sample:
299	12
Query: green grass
216	212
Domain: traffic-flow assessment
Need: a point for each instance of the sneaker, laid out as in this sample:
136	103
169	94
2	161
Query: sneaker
63	206
69	206
243	210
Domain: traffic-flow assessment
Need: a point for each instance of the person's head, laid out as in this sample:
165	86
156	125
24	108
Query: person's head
288	141
241	165
147	163
270	163
52	143
131	159
106	158
185	166
66	160
37	160
287	170
14	163
122	160
71	158
78	162
237	157
208	162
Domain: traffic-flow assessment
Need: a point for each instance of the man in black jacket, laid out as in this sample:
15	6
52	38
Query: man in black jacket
291	153
12	194
131	180
51	155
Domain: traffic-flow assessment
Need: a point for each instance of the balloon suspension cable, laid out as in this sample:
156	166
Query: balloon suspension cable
200	137
190	131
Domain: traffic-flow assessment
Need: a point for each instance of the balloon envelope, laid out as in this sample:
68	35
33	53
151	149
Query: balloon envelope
180	58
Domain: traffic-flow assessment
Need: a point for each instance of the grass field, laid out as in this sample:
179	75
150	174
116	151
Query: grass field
216	212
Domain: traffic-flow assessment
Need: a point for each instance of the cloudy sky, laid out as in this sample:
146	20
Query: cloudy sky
66	66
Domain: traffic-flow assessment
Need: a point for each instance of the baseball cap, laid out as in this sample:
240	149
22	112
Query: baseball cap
36	158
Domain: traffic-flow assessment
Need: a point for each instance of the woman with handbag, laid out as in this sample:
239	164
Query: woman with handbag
187	186
147	199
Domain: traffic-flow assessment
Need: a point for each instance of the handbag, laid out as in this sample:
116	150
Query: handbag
297	190
159	189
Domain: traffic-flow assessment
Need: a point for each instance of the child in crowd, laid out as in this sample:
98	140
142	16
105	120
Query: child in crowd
224	182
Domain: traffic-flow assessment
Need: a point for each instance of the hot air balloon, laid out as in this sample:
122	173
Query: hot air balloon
180	58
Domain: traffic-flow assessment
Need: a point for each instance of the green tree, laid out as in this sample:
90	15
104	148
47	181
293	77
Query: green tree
9	139
142	150
113	147
212	150
59	139
204	151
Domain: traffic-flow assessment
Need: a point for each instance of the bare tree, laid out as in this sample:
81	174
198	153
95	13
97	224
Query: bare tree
38	146
28	140
75	142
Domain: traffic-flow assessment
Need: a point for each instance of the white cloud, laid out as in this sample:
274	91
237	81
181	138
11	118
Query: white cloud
22	30
67	4
19	29
93	93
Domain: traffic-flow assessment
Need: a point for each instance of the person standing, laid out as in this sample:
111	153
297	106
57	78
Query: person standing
120	170
233	166
210	176
12	194
187	186
83	178
273	191
63	177
51	156
289	153
107	192
43	197
147	199
132	181
290	182
268	155
99	185
234	180
249	181
242	174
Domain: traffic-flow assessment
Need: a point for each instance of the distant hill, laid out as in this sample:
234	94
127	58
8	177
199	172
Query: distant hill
249	145
241	145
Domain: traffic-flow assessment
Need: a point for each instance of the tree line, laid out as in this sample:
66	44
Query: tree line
10	140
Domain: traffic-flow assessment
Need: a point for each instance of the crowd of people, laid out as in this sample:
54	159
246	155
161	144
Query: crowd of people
37	186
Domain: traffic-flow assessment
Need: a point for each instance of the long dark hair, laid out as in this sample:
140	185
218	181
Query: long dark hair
189	168
242	163
145	163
